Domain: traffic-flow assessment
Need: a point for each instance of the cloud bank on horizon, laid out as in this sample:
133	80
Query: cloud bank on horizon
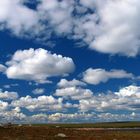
56	86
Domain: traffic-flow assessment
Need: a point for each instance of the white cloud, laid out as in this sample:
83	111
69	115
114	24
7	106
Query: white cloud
127	98
19	117
23	21
63	83
13	115
108	27
87	117
75	117
61	117
82	117
3	105
96	76
6	95
41	103
38	91
75	93
129	91
38	65
119	23
58	14
38	118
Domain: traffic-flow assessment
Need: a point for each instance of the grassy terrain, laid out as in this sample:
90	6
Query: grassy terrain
95	125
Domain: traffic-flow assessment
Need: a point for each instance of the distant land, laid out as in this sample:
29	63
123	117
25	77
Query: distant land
93	131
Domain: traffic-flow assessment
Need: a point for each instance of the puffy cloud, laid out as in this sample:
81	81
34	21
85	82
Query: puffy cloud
74	93
127	98
58	15
19	117
13	115
65	83
3	105
23	21
87	117
38	65
82	117
96	76
108	29
38	91
75	117
6	95
129	91
61	117
8	113
38	118
118	25
72	89
41	103
102	25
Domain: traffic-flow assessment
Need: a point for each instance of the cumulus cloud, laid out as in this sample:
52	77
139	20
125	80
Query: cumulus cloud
38	91
58	15
41	103
20	117
14	115
96	76
75	93
127	98
118	25
6	95
3	105
25	20
61	117
38	65
105	26
129	91
65	83
81	117
72	90
88	117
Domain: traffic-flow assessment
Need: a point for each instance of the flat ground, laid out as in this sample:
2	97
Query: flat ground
72	132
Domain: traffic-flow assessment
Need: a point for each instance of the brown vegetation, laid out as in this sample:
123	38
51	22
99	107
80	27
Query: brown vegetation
60	133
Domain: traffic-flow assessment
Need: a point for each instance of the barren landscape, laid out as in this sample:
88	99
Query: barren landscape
99	131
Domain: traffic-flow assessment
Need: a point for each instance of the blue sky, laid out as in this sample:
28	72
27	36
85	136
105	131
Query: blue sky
69	61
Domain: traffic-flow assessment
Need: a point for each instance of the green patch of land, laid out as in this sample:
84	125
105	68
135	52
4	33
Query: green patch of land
94	125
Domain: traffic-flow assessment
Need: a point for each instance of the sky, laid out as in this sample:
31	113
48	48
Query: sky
69	61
